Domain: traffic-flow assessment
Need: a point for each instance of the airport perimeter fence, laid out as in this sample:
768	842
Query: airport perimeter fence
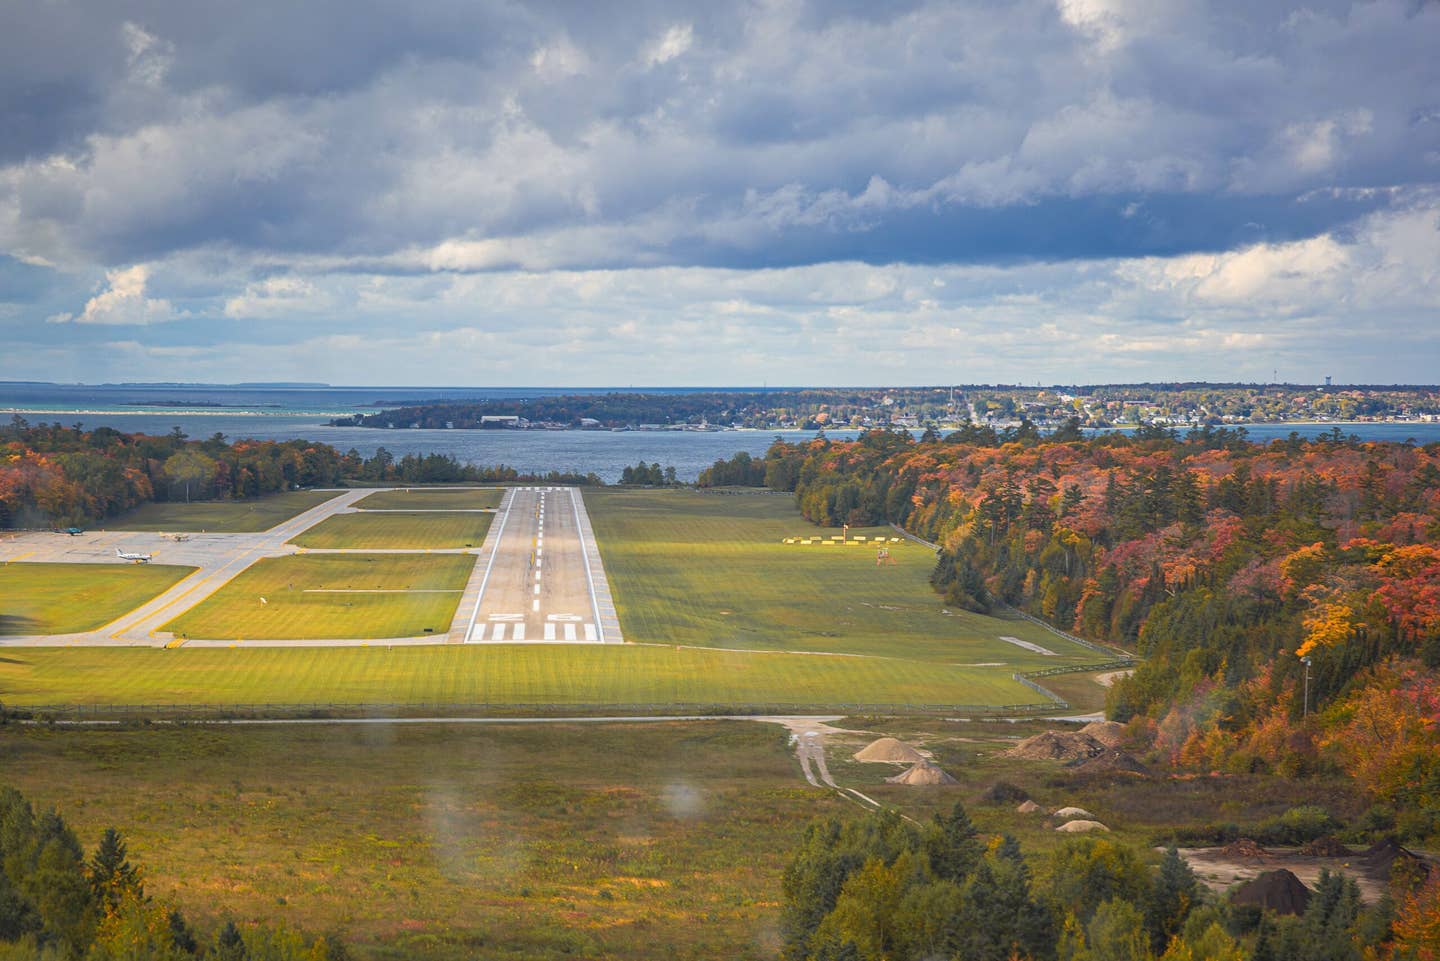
117	713
1072	638
1026	677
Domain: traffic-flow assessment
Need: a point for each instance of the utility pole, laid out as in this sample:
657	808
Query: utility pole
1306	660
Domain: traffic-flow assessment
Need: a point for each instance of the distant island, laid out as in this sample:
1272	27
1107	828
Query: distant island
998	406
197	403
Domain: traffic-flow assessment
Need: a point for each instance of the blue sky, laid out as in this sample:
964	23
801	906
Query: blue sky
460	192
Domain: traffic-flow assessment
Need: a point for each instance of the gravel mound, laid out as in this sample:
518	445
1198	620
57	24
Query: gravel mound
890	750
1381	857
1112	761
1278	891
1082	826
923	772
1057	746
1071	814
1029	807
1245	849
1108	733
1326	847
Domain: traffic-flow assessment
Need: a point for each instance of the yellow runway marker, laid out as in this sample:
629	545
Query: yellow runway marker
20	558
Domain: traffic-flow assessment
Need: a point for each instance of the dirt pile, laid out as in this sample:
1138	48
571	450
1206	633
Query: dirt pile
922	773
1029	807
1057	746
1108	733
1326	847
1112	761
1244	849
1081	827
1278	891
1382	856
891	751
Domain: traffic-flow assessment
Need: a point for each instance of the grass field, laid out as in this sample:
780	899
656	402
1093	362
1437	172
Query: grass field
333	596
65	598
433	842
397	531
223	517
420	498
484	674
703	569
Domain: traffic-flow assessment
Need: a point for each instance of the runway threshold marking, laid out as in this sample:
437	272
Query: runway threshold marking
490	563
585	556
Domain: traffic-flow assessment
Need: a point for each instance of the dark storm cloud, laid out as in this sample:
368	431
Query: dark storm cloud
138	130
242	177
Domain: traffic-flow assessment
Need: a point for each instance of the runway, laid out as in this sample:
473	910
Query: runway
537	578
541	581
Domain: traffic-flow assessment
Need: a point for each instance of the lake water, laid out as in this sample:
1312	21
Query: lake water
300	413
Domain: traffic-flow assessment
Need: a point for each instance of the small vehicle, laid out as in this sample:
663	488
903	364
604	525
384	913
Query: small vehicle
74	531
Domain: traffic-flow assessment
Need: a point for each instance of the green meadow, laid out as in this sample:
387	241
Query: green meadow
221	517
490	674
333	596
713	570
66	598
398	531
442	499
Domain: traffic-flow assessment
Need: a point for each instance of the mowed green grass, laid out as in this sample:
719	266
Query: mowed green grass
649	842
711	570
65	598
224	517
333	596
420	498
497	674
397	531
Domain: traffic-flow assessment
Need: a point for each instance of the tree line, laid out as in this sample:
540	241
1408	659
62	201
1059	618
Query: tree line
52	475
57	904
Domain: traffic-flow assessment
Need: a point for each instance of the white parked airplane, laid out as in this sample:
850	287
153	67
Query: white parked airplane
137	558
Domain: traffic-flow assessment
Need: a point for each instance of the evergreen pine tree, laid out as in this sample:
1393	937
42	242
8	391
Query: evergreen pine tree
954	845
1170	899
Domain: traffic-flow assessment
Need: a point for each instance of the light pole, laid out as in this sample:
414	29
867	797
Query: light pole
1306	661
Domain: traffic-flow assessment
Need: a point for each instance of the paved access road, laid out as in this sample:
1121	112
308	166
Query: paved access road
540	578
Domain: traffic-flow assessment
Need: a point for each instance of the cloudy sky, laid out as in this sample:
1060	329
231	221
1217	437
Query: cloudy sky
463	192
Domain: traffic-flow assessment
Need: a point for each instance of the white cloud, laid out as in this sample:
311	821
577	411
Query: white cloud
278	297
559	60
123	303
671	44
148	58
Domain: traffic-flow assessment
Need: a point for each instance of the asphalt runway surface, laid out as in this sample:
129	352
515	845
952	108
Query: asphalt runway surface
542	580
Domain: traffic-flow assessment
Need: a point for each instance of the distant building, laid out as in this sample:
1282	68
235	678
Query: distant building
504	421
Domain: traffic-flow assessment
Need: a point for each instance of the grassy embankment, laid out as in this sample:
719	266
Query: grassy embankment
221	517
66	598
333	596
441	499
448	842
495	674
437	530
